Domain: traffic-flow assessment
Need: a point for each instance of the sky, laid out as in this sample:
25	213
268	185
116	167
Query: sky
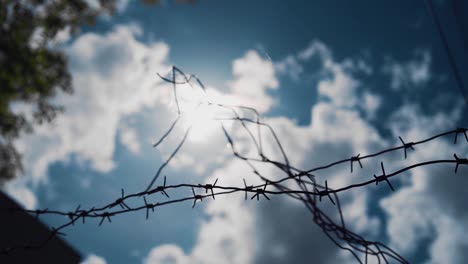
334	78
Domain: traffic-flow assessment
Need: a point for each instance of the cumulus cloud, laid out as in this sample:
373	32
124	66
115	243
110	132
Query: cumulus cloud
119	4
253	77
412	73
94	259
21	193
166	254
337	82
340	88
114	77
239	232
129	138
315	48
430	207
114	73
371	103
227	236
289	66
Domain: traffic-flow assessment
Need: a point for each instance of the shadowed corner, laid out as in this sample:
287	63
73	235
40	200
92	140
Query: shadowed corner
18	226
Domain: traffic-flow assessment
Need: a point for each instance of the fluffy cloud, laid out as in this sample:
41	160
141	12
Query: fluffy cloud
239	232
114	77
340	88
316	48
129	138
21	193
429	208
337	82
242	232
371	104
227	236
119	4
253	77
166	254
289	66
94	259
415	72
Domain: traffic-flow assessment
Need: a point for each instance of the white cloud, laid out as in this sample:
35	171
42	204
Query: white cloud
289	66
22	194
94	259
63	35
122	5
253	77
129	138
412	73
408	227
233	234
113	76
227	236
166	254
36	38
315	48
339	86
451	244
363	66
430	207
93	4
371	103
111	87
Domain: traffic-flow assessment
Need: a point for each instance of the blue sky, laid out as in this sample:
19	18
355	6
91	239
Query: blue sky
335	78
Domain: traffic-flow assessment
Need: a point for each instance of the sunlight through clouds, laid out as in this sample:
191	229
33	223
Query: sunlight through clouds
121	108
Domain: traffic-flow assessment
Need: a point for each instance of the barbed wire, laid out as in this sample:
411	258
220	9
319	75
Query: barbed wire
305	190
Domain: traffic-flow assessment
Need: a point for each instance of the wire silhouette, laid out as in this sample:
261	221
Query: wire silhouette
305	190
432	13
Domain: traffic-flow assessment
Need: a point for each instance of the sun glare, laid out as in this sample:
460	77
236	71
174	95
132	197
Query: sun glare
202	121
197	114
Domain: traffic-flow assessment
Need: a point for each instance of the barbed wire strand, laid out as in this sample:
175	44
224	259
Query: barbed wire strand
308	191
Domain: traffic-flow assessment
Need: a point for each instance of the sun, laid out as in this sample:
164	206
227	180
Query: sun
202	123
198	114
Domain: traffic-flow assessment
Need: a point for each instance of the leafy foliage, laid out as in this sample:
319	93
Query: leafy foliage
32	71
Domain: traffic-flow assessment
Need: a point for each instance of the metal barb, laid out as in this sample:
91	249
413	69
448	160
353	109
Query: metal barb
354	159
161	189
325	192
40	212
383	177
105	215
247	188
460	130
196	197
337	232
121	200
459	161
148	207
209	187
260	191
406	146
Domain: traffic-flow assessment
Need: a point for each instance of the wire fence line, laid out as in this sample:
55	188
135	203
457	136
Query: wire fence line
305	187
